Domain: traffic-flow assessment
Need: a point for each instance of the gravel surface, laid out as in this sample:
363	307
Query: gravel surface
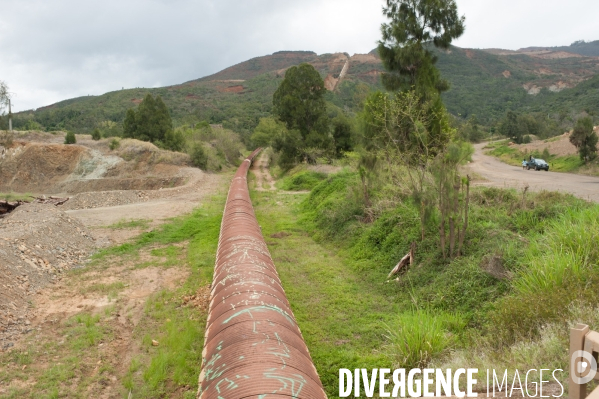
38	242
98	199
499	174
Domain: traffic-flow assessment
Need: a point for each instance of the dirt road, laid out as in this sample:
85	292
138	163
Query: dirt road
499	174
264	181
160	206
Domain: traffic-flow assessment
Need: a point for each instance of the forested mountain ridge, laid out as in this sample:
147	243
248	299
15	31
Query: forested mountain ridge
486	83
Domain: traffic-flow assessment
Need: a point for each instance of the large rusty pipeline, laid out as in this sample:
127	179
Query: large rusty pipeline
253	347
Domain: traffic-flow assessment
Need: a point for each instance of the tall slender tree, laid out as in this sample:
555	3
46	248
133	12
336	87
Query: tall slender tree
415	27
4	96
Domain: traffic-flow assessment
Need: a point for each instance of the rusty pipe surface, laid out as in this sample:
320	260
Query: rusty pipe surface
253	347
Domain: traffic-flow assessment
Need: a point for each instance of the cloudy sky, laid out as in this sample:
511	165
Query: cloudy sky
51	50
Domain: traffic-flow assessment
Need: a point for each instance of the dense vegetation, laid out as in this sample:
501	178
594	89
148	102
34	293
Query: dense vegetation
152	122
527	271
491	270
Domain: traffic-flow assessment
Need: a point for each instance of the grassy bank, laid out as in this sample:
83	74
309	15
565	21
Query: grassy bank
568	163
527	272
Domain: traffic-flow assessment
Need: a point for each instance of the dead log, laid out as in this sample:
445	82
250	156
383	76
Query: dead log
406	260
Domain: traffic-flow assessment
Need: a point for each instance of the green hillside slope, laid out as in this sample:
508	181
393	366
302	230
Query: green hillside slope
483	82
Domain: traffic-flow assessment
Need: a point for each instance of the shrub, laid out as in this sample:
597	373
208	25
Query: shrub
174	140
305	180
6	139
114	144
546	155
96	134
198	156
70	138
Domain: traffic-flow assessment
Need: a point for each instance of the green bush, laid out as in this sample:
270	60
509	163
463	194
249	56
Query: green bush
70	138
305	180
198	156
173	140
114	144
96	134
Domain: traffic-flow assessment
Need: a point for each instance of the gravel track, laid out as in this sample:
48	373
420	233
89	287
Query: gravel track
499	174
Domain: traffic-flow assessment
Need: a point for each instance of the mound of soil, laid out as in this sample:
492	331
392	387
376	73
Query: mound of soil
51	168
38	242
560	147
101	199
31	167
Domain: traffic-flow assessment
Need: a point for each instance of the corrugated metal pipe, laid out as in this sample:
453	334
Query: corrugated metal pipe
253	346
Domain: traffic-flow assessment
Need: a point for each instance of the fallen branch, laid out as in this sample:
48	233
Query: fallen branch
50	200
406	260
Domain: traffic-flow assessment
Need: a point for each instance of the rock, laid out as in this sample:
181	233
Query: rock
155	343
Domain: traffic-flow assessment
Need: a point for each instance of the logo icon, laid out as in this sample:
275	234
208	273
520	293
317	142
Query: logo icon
588	366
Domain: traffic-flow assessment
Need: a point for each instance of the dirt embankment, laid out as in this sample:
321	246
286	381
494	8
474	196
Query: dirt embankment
44	287
51	168
38	243
559	146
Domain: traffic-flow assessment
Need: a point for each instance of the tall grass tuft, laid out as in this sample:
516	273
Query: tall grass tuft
416	337
558	269
568	250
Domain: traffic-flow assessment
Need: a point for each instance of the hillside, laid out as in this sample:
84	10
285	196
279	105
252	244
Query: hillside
483	82
589	49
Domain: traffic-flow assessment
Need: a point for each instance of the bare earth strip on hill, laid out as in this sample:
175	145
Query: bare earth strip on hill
499	174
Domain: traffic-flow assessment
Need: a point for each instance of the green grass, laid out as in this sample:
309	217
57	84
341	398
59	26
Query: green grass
301	180
416	337
328	298
131	224
176	361
16	196
436	307
111	289
85	331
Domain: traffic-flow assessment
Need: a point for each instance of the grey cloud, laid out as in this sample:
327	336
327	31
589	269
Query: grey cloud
58	49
